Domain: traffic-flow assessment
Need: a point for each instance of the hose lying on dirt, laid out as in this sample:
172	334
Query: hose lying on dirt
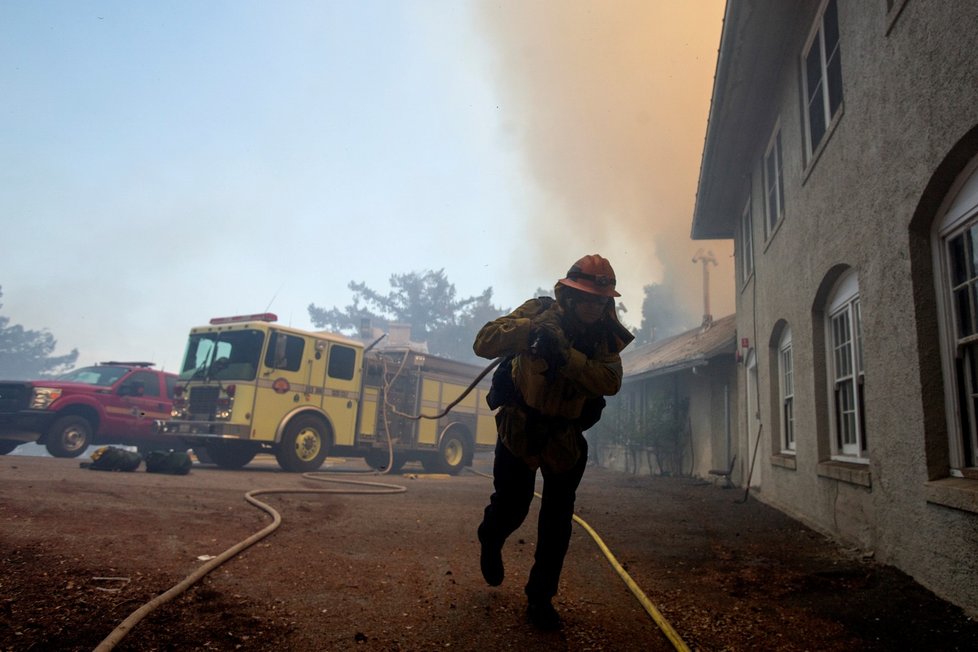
660	620
139	614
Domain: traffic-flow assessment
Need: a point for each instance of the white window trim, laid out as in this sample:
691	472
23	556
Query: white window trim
813	150
746	243
959	208
786	392
845	297
774	148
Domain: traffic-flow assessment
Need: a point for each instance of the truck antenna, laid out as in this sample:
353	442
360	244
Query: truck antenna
272	300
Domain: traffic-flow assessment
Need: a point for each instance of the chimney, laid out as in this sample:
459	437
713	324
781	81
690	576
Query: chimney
399	334
706	258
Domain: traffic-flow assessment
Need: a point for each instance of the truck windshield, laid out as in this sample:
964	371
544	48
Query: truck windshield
101	376
230	355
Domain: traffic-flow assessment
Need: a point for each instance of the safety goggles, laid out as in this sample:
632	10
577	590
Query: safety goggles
600	280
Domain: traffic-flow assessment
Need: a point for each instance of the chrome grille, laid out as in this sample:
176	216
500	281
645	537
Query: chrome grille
13	397
203	401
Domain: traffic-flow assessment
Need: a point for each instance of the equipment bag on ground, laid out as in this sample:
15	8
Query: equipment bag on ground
110	458
171	462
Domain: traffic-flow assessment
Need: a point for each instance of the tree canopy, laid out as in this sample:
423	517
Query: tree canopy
426	301
26	354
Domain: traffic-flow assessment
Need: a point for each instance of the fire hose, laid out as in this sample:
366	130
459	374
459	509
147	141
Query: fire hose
650	608
370	488
113	639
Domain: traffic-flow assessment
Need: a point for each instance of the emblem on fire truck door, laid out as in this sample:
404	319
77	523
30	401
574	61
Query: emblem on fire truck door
280	385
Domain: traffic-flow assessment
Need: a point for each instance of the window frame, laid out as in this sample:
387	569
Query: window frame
846	371
342	362
746	243
773	219
829	117
957	217
786	393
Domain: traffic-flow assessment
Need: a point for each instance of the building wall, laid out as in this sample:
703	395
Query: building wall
867	203
712	394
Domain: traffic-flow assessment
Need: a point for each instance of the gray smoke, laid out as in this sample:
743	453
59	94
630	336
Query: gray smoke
608	102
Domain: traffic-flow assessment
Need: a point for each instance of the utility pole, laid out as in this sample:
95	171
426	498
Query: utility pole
706	258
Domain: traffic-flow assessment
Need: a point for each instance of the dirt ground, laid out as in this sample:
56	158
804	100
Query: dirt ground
400	572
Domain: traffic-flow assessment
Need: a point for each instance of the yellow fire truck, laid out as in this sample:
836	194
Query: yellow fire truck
249	385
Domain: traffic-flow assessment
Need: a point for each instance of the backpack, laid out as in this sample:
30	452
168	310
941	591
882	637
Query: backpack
503	389
170	462
110	458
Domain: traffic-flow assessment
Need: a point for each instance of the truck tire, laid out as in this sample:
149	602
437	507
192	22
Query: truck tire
378	459
304	444
7	445
453	450
69	436
202	455
232	455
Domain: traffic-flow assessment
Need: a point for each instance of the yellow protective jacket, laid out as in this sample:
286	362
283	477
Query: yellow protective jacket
544	425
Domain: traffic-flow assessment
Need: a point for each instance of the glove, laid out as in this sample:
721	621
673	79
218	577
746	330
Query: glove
547	340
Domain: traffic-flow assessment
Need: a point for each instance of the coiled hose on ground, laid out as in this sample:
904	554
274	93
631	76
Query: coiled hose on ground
113	639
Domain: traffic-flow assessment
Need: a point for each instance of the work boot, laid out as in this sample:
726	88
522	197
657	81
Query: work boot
491	561
542	614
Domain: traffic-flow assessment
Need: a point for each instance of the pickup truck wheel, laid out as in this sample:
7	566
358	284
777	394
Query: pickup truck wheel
304	445
452	452
231	455
69	436
7	445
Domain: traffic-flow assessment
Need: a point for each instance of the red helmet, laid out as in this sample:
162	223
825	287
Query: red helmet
592	274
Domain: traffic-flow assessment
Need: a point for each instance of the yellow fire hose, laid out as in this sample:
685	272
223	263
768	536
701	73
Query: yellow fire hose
113	639
660	620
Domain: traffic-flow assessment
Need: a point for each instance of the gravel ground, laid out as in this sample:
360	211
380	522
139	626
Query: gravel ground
400	572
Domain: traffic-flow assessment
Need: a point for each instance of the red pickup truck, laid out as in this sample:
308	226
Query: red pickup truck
110	403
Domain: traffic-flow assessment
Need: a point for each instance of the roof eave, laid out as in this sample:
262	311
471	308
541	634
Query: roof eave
750	56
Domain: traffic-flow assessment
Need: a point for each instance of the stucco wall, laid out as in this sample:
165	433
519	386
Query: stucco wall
910	96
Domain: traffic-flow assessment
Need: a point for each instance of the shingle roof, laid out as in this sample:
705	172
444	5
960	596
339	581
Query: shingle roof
690	349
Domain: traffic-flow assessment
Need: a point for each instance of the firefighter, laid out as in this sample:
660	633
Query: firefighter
560	359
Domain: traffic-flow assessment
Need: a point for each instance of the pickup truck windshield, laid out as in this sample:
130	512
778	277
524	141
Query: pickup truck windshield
100	376
229	355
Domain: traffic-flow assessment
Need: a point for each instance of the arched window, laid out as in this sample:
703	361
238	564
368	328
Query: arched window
845	367
956	258
786	391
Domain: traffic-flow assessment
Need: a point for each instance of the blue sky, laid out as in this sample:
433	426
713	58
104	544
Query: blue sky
162	163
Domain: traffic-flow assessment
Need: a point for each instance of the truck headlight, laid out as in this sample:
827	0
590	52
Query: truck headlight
42	397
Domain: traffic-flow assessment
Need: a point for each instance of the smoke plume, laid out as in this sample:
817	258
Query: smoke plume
608	103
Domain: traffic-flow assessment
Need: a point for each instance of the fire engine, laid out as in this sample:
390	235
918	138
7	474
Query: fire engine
249	385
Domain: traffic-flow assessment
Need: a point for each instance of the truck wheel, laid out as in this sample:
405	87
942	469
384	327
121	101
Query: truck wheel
231	455
202	455
69	436
378	459
7	445
452	452
304	445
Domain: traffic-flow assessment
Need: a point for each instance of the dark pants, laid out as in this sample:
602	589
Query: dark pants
509	504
